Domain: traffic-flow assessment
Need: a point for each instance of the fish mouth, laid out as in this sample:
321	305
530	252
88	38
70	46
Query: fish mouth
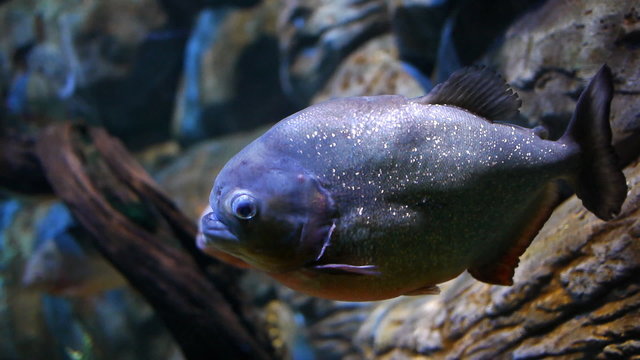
214	233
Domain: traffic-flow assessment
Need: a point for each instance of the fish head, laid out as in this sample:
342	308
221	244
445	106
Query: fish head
272	214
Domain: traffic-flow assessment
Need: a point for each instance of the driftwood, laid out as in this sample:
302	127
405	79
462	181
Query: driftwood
132	224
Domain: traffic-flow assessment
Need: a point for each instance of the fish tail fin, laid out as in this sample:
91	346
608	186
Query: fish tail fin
599	183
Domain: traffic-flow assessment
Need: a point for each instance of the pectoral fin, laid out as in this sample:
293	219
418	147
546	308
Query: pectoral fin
344	269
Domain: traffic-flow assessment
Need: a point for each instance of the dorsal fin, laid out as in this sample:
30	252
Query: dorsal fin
478	90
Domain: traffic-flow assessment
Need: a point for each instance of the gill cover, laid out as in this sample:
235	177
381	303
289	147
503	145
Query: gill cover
320	221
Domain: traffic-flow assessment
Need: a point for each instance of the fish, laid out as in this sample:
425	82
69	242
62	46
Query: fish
369	198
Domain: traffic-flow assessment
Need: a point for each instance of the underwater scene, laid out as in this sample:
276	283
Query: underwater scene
309	179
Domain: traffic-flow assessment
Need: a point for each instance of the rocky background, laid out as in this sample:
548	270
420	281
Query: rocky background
186	84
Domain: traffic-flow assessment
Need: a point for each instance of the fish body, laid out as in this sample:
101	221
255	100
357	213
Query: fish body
368	198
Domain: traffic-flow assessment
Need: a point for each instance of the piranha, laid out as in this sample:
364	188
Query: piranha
369	198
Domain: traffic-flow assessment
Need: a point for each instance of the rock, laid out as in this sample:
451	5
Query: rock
550	53
183	12
575	295
109	34
439	36
330	325
76	46
142	101
323	328
480	25
135	81
417	26
187	119
153	158
316	36
332	335
373	69
224	88
286	332
114	63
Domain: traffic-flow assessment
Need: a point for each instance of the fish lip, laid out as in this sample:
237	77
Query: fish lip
213	231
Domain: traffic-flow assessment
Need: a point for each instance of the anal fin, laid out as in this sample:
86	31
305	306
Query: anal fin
500	270
425	290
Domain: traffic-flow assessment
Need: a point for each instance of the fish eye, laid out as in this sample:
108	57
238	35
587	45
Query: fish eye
244	206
